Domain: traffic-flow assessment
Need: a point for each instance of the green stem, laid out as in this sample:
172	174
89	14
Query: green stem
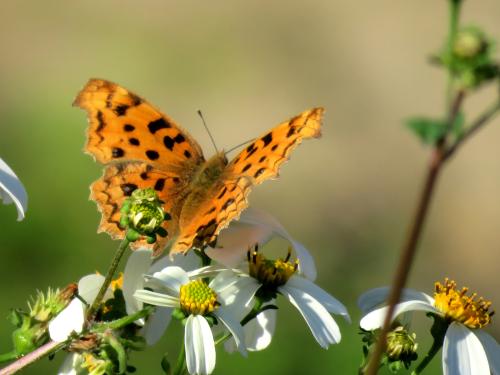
452	35
180	366
109	277
122	322
428	357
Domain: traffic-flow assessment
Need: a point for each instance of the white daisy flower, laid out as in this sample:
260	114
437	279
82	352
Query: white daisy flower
139	264
466	349
199	301
256	227
12	190
265	279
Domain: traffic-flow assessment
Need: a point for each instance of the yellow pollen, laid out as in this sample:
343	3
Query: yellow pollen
271	273
456	305
197	298
117	283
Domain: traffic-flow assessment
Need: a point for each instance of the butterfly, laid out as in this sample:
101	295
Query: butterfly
143	148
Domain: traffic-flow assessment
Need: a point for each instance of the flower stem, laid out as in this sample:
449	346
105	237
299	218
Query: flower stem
180	367
109	277
428	357
452	35
122	322
43	351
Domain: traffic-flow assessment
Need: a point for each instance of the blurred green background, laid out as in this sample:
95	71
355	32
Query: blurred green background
249	65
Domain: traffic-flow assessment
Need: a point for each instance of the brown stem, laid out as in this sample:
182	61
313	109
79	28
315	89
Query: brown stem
410	246
45	350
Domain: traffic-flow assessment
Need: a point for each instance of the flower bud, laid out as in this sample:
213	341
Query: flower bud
401	346
470	43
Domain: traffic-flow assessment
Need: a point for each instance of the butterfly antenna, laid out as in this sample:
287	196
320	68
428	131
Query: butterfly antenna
208	131
241	144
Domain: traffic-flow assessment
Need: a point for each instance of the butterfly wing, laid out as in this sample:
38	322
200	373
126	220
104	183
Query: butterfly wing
141	147
261	160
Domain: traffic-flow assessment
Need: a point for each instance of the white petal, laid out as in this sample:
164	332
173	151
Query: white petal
133	277
332	304
492	349
171	278
258	332
88	287
12	190
233	326
199	345
156	325
324	329
223	280
71	364
69	320
211	270
187	262
375	319
238	298
463	353
375	297
157	299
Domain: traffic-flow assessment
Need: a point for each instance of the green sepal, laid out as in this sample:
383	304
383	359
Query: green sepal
211	319
16	317
23	340
120	352
151	239
162	232
137	343
178	314
132	235
167	216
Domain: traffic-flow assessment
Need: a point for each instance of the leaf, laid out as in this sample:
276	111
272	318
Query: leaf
428	130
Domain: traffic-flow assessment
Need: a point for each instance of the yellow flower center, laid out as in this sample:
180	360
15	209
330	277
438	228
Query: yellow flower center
197	298
456	305
271	273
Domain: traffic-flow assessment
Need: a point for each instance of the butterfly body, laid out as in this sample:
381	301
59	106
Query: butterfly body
141	148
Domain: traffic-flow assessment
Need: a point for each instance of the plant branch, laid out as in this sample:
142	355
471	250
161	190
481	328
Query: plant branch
109	277
410	246
482	120
43	351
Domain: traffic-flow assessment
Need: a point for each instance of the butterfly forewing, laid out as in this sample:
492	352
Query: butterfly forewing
123	126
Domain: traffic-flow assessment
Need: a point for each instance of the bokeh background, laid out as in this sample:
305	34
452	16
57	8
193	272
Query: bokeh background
249	65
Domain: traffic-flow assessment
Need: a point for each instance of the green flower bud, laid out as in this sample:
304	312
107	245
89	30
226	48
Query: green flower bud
470	43
401	346
143	215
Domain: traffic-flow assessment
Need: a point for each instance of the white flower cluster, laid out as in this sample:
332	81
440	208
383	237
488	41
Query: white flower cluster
214	299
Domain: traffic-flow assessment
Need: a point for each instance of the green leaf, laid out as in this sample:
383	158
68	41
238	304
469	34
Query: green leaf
428	130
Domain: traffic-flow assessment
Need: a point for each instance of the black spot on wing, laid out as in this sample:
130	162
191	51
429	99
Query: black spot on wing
187	154
156	125
152	154
268	138
262	158
144	175
222	193
121	109
128	188
134	141
128	128
259	172
250	150
246	167
227	203
290	132
168	142
159	184
179	138
274	147
117	152
100	121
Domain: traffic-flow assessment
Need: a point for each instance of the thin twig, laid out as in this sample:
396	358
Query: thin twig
476	125
43	351
410	246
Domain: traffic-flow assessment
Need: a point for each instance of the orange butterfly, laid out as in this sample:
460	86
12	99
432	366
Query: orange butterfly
142	148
